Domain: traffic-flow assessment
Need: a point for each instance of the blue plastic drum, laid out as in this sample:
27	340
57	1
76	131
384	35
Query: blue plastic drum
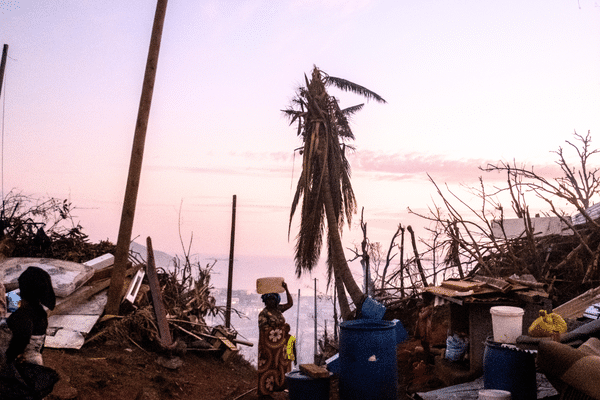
368	365
304	387
511	369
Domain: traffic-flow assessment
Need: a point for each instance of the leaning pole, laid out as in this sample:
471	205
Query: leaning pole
135	165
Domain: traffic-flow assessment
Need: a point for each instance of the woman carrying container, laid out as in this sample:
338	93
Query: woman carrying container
274	334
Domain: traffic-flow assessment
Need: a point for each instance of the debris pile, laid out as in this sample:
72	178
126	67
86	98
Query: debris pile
42	232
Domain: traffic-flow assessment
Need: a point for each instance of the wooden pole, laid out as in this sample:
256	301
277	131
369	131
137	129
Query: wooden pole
230	277
3	65
159	307
135	165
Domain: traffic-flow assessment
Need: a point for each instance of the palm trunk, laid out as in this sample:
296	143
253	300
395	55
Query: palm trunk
342	298
340	264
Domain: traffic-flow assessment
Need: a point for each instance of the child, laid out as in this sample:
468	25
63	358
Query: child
29	323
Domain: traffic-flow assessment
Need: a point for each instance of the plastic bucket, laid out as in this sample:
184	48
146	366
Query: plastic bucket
507	323
304	387
368	365
493	394
508	368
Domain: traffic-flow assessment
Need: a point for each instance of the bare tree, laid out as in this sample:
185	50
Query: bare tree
475	240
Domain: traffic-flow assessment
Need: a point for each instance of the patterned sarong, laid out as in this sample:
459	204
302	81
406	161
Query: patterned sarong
273	362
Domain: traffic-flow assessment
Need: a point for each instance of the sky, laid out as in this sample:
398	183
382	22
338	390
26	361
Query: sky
466	83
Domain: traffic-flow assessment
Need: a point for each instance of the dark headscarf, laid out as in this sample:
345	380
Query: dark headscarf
35	286
274	296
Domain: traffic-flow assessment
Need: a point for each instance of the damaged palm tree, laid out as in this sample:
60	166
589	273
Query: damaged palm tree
324	184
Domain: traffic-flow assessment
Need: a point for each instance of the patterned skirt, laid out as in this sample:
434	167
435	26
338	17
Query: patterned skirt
273	362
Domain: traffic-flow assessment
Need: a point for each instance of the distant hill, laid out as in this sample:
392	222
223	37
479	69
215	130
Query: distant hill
161	259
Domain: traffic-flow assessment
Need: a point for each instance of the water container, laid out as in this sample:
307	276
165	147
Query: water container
269	285
508	368
304	387
372	309
507	323
368	365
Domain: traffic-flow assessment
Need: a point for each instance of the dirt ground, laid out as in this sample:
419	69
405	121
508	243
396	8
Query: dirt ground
127	372
116	371
121	370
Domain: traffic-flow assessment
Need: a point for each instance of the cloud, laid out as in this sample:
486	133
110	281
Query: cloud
376	165
416	166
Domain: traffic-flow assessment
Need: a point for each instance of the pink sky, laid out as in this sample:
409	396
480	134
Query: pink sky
467	83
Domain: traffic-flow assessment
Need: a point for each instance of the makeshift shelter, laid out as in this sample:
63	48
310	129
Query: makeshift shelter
470	303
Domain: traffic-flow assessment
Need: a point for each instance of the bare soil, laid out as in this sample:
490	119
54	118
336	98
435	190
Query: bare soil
127	372
116	371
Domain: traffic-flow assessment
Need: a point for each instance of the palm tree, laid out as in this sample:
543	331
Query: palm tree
324	184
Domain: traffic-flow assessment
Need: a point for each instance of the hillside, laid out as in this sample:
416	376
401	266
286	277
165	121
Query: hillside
121	371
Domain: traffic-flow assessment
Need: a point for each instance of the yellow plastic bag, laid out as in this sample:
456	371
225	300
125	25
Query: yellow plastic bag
547	325
291	348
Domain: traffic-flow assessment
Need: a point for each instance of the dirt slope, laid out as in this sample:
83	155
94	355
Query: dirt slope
127	372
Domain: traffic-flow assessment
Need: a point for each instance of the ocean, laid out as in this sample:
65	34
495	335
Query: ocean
301	320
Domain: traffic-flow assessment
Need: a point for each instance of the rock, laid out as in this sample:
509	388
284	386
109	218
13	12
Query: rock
170	363
63	392
147	394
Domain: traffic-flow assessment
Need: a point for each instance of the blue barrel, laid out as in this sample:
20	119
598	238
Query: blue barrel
304	387
368	365
511	369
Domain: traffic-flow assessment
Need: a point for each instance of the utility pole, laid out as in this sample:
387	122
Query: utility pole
135	165
3	66
230	277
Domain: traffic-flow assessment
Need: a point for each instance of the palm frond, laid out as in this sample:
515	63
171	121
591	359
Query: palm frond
348	86
352	110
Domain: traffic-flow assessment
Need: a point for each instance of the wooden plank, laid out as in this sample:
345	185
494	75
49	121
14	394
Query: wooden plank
443	294
438	290
157	302
575	308
314	371
461	286
496	283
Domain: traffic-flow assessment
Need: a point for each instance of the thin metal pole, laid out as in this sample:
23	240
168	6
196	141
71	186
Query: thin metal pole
230	277
135	165
315	350
298	315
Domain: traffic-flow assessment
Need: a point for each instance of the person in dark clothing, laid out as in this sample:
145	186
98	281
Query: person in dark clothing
22	373
29	323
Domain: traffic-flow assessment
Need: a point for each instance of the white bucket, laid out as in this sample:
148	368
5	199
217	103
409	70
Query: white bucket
507	323
494	394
